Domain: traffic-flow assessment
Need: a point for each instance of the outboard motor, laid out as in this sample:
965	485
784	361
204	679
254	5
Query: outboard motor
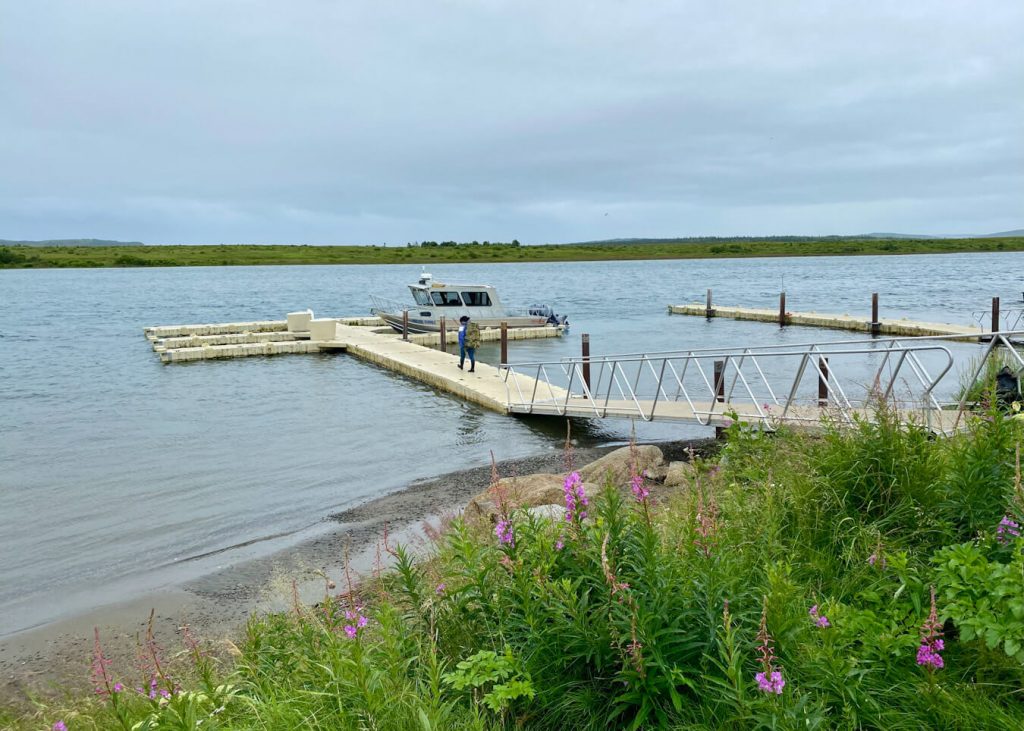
1007	387
546	312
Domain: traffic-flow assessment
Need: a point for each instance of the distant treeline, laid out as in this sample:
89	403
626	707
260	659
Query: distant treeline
428	244
70	242
731	240
453	252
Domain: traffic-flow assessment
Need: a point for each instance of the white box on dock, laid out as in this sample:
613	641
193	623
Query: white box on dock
323	329
299	321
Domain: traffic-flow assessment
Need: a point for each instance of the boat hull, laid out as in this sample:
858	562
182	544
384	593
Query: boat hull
420	324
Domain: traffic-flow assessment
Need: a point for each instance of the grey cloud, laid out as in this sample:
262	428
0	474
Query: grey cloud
319	121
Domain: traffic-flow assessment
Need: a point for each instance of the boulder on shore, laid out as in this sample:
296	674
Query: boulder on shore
679	473
527	491
618	465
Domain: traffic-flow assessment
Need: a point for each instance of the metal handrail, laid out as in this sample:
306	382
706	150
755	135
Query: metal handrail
798	347
1011	319
742	378
383	304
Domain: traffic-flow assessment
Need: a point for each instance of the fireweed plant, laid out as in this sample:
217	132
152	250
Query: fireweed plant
696	607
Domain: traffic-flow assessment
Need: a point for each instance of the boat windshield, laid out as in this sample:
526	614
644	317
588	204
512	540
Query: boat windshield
476	299
446	299
421	297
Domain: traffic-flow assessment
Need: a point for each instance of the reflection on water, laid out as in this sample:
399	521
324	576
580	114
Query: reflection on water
114	468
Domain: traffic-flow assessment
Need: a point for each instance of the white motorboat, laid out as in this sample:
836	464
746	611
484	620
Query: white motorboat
433	300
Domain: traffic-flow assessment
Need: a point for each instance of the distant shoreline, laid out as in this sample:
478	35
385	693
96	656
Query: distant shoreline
78	257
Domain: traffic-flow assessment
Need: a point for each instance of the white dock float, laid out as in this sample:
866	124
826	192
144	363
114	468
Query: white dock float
886	326
367	338
177	331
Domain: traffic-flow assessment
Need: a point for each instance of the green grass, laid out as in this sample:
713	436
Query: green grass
659	614
238	255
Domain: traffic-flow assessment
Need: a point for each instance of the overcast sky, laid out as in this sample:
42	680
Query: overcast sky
351	121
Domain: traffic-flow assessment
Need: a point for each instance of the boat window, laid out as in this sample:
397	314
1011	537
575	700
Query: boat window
446	299
421	297
476	299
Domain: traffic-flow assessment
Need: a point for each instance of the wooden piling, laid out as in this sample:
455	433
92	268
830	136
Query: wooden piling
708	312
405	324
995	315
504	343
585	345
822	382
876	324
444	335
719	381
782	309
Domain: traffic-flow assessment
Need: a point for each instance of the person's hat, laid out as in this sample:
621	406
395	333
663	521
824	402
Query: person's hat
464	318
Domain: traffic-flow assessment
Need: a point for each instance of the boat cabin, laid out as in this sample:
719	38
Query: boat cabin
428	293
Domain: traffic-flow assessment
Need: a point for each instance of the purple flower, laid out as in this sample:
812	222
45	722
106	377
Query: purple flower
575	498
118	687
769	680
771	683
505	533
1007	531
819	619
559	544
440	589
359	621
928	655
932	644
636	484
59	726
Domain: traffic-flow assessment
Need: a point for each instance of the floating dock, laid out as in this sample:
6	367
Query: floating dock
883	326
366	338
562	387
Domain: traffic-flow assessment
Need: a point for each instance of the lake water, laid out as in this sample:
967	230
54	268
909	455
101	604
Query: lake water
117	471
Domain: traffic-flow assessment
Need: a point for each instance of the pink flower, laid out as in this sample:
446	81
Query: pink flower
359	621
819	619
1007	531
771	682
559	544
505	533
575	498
636	484
59	726
931	641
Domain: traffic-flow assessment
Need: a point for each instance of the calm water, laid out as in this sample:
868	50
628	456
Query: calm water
116	470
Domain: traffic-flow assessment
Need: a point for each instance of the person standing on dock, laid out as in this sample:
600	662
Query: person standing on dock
469	339
463	322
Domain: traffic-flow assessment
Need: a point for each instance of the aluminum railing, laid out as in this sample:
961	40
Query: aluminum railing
1010	320
383	304
766	383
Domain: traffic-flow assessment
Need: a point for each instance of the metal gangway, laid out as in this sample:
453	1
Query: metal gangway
771	385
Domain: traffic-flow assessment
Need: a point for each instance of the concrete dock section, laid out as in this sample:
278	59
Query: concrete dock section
883	326
485	387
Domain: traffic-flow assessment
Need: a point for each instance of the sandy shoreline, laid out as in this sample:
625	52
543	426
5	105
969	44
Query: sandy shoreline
56	657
